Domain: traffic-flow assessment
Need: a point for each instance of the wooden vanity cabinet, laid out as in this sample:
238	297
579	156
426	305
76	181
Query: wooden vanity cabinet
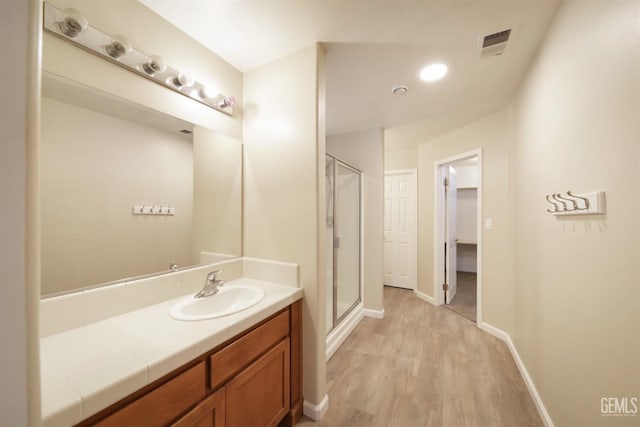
252	380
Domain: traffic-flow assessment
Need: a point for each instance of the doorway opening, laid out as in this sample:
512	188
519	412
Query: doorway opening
458	234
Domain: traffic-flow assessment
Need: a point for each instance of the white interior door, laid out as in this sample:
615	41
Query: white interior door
451	245
400	229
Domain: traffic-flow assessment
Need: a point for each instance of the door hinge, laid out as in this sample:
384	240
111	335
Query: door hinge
445	181
445	286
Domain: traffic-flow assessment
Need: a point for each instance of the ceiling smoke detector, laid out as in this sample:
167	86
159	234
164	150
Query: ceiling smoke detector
399	89
495	44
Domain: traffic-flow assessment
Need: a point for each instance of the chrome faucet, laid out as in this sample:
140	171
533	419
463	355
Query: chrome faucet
211	285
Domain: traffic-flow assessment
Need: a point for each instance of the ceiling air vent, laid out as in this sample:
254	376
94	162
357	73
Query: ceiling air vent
495	44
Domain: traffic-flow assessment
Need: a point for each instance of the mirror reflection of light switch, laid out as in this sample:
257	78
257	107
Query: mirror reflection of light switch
488	224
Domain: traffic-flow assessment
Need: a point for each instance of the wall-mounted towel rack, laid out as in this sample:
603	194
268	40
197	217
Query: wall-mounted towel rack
153	210
576	204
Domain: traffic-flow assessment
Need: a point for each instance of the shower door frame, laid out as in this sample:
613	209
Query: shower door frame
336	320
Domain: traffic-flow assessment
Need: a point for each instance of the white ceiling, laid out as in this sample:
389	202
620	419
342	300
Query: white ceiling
375	44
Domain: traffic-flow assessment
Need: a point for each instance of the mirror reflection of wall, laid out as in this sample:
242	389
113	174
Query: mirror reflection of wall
96	167
217	192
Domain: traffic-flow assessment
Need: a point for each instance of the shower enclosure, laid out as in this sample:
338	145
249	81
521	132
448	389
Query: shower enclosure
343	240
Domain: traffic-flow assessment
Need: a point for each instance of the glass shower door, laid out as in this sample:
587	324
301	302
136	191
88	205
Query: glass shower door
347	243
330	183
343	194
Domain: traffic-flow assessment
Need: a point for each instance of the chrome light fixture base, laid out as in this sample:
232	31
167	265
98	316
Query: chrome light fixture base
69	25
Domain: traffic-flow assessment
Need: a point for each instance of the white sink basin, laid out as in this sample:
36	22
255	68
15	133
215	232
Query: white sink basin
227	301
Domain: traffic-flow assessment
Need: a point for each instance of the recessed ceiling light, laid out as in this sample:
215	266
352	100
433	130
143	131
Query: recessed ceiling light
433	72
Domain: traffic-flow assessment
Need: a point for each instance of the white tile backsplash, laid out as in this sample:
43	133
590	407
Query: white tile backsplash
62	313
58	314
154	290
284	273
103	303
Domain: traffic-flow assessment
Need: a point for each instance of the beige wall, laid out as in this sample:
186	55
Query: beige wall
493	134
401	145
399	158
577	289
281	187
94	169
364	150
217	194
401	142
13	261
19	259
154	36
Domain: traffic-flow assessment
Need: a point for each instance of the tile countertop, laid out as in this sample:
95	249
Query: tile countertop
86	369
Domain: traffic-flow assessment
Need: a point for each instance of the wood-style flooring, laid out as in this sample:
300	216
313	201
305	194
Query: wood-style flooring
465	301
423	366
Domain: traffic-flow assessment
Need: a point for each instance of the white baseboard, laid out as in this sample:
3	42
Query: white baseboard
498	333
424	296
343	330
376	314
533	391
316	412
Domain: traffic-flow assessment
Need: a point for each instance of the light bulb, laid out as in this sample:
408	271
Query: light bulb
118	47
227	102
183	80
155	64
209	92
73	23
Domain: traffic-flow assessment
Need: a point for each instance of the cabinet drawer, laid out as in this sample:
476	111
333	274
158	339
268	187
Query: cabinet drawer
162	405
233	358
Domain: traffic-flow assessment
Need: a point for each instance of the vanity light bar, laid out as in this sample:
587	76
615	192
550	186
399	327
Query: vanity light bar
69	25
153	210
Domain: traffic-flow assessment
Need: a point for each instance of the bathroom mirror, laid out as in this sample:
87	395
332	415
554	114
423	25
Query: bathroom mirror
128	191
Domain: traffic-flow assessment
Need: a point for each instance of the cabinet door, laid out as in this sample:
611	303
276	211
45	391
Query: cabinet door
209	413
259	395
